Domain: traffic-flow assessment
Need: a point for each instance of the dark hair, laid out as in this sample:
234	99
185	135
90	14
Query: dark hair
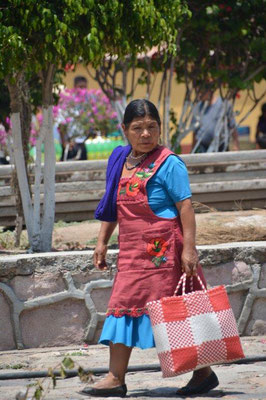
140	108
78	79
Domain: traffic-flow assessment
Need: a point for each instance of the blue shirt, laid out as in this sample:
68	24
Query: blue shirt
166	190
167	186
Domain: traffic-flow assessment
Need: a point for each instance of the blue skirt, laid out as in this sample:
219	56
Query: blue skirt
130	331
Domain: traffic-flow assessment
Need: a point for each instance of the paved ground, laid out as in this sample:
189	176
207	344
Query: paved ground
237	381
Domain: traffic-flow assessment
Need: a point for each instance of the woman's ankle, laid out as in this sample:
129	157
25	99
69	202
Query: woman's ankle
116	378
108	382
203	372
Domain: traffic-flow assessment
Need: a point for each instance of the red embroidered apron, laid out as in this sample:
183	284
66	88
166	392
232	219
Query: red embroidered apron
150	247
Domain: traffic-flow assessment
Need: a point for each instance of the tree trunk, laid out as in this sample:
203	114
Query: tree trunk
167	103
22	175
19	159
47	222
25	119
120	106
37	189
49	182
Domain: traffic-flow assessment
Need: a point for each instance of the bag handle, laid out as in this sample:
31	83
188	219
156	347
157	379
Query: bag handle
182	281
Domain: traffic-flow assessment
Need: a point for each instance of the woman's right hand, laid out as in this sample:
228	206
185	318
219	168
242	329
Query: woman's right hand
99	256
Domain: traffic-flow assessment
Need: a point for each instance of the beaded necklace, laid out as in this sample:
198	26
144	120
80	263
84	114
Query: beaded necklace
140	158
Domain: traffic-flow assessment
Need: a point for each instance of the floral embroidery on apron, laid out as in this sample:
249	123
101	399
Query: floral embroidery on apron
156	248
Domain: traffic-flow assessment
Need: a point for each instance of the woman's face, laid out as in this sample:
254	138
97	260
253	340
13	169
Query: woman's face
143	134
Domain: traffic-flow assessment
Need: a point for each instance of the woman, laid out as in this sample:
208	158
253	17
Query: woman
148	195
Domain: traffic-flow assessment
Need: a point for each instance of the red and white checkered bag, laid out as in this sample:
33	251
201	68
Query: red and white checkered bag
194	330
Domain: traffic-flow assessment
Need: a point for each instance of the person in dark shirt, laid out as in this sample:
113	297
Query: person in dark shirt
207	114
261	128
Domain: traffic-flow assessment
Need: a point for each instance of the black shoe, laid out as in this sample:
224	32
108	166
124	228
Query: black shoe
205	386
118	391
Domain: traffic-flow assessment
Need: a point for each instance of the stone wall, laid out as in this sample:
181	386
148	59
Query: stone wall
55	299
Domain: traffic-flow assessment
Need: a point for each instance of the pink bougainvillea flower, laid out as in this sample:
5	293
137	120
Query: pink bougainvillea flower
69	67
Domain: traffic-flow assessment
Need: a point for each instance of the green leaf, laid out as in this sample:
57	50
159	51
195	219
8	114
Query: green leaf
54	381
90	3
84	376
157	261
48	38
62	372
68	363
52	375
38	393
63	27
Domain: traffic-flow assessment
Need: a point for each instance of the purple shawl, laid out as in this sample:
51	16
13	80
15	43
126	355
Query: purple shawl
106	210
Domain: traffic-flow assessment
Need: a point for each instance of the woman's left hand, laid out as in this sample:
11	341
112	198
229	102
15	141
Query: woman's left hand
189	261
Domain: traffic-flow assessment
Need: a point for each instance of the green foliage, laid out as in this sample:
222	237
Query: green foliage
7	240
38	391
35	34
68	363
84	376
13	366
174	132
52	375
112	241
77	354
44	32
42	387
224	43
35	94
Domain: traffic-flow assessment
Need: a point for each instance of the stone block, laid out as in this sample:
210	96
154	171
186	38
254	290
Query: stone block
262	281
241	272
100	298
259	328
220	274
257	313
7	341
237	300
97	333
81	278
210	255
58	324
29	287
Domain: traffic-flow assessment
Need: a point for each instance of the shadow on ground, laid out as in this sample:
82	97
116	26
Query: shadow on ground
168	392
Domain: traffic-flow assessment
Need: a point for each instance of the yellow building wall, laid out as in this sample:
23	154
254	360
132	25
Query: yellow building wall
177	96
